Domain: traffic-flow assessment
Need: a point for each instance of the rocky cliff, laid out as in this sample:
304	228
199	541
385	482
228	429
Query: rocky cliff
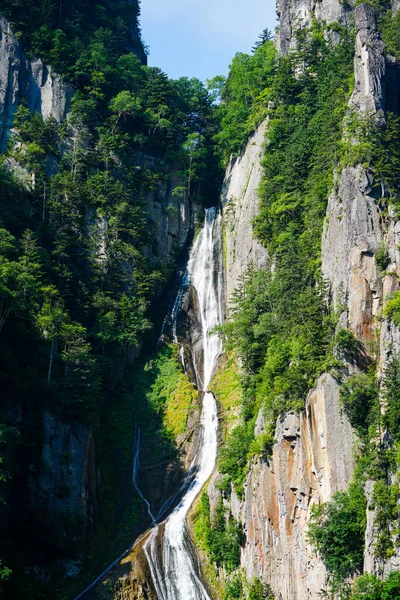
313	451
240	205
30	80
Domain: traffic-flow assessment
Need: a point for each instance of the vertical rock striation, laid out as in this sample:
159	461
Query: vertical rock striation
30	80
240	206
312	459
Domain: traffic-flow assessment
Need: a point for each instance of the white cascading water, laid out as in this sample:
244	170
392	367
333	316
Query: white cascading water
169	552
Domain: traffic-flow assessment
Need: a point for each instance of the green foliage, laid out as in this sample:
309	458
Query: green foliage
227	387
219	535
259	591
382	258
385	157
346	344
392	309
385	500
234	588
367	587
390	27
234	455
238	588
5	572
303	142
66	34
370	587
337	531
164	393
391	390
359	395
244	96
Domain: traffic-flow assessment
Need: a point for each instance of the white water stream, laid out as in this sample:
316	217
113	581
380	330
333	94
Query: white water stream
169	551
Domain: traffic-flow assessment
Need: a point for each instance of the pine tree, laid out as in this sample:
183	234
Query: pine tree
265	36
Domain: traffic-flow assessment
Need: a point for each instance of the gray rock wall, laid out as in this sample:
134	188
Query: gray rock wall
240	205
298	14
42	90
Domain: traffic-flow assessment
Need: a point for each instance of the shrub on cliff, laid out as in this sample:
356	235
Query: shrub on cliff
370	587
337	531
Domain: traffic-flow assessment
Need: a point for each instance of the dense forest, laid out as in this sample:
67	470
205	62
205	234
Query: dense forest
77	277
85	281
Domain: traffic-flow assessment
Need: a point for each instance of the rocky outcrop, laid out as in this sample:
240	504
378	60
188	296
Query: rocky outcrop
369	64
171	218
354	228
312	459
130	579
65	487
298	14
30	80
351	238
240	206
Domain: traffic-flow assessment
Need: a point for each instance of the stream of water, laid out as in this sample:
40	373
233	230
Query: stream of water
172	561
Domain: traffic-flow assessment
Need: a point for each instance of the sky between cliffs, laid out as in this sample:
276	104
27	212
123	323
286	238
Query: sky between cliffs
198	38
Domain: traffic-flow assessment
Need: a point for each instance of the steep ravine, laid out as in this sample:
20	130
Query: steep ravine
162	563
314	450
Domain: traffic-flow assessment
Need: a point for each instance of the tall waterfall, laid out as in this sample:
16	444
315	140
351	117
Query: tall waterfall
168	549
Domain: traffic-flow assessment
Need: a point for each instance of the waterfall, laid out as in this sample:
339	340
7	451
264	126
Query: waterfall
168	548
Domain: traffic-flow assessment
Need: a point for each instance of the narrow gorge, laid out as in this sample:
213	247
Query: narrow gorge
200	310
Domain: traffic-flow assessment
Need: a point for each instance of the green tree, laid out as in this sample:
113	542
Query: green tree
124	105
359	395
337	531
50	320
265	36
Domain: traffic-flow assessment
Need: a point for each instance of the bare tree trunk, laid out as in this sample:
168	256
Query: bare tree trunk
50	361
44	202
115	124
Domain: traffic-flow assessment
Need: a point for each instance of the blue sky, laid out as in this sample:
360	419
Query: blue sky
198	38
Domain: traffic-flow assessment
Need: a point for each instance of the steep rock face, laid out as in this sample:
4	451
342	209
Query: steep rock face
240	206
351	238
171	219
354	228
67	482
297	14
312	459
64	483
42	90
369	63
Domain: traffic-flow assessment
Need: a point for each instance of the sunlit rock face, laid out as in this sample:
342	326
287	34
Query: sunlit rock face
240	206
297	14
312	459
313	454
